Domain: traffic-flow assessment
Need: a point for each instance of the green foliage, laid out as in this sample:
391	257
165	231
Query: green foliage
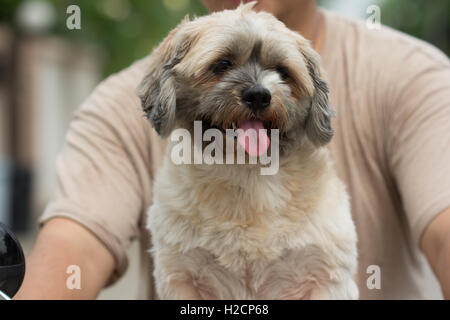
427	20
125	30
7	9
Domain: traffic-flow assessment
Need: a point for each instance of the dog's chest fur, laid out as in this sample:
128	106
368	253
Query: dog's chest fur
231	223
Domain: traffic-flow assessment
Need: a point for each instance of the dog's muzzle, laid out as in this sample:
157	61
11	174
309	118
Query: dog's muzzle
256	97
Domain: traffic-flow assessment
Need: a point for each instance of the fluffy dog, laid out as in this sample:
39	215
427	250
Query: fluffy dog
226	231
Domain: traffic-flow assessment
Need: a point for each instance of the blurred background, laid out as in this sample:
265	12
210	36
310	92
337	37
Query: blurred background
47	70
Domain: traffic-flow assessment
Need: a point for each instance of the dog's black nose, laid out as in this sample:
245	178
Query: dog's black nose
256	97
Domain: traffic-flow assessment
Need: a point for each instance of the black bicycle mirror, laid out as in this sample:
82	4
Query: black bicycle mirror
12	263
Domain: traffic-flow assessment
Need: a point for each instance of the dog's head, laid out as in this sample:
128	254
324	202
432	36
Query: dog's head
238	68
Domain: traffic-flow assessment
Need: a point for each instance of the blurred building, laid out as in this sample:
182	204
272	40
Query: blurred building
5	118
43	80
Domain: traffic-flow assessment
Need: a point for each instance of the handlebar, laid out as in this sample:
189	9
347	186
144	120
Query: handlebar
12	263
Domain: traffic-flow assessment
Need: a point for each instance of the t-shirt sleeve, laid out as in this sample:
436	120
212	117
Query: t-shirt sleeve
419	135
103	170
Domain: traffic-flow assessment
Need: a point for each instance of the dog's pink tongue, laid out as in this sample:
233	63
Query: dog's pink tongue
255	142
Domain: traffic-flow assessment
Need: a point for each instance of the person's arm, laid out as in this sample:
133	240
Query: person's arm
61	243
416	124
436	247
103	187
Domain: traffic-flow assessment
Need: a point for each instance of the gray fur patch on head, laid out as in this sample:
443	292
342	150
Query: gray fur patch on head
157	90
318	122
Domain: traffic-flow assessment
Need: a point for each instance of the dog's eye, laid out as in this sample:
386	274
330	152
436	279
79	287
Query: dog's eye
283	72
221	66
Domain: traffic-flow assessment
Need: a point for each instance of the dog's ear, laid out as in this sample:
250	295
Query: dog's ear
318	122
157	90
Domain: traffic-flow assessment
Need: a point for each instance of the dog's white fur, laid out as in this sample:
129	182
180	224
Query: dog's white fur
227	232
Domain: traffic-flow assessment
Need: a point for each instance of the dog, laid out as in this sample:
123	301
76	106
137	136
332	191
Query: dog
227	231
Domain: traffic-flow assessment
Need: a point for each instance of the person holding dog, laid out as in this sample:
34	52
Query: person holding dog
391	93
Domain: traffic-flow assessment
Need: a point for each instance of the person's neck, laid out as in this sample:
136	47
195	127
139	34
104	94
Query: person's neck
308	21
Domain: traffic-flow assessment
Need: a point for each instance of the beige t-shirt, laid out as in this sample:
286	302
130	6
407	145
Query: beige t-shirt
391	148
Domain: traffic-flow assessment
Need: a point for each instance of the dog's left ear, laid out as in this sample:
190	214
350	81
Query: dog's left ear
157	90
318	122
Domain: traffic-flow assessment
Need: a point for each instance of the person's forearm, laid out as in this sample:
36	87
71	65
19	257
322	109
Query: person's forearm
60	244
443	268
436	247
